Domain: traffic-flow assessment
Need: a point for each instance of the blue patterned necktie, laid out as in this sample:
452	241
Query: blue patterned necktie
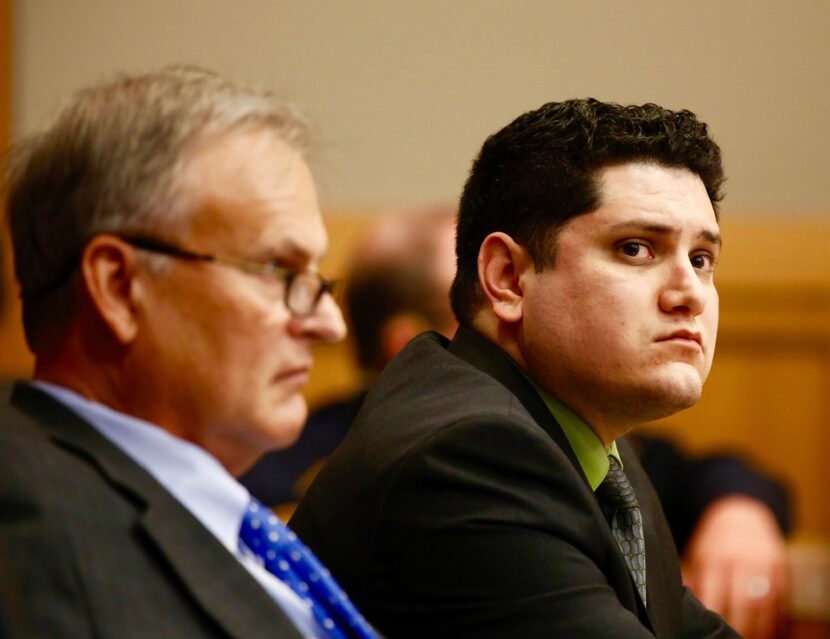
627	522
288	559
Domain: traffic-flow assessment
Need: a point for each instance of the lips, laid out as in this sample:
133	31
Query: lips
296	374
683	336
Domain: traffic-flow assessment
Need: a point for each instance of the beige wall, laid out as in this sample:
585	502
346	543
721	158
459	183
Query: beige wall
405	92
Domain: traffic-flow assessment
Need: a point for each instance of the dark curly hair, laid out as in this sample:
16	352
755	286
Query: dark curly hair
539	171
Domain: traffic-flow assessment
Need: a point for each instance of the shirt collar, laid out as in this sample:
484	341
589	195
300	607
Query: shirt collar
589	451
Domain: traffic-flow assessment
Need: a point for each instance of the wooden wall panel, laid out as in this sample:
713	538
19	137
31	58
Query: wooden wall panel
14	357
5	70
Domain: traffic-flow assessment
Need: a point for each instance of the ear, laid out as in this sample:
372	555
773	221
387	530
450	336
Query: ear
398	330
108	268
501	263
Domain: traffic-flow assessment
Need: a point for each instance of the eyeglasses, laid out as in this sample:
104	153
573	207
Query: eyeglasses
303	288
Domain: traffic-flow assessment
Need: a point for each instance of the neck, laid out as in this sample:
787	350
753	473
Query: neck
66	367
608	428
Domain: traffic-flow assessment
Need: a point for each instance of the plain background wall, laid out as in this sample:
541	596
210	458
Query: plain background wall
405	92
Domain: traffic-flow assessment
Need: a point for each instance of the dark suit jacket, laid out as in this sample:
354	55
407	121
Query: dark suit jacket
456	508
92	546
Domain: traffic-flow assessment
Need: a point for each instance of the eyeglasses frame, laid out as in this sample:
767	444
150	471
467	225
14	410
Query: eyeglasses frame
270	269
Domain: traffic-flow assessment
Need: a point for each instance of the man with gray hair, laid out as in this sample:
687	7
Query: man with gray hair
166	236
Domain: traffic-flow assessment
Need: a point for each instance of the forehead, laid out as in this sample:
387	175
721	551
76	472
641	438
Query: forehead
254	193
652	193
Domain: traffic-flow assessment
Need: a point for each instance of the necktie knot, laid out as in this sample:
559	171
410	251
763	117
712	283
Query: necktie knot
287	558
615	490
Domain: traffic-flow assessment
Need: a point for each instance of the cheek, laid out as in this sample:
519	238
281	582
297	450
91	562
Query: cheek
712	313
710	323
612	313
596	311
593	310
257	344
245	342
708	320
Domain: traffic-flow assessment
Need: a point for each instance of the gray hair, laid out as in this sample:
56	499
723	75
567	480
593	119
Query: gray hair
112	161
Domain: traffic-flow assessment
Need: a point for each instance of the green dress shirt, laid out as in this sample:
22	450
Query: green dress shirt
592	455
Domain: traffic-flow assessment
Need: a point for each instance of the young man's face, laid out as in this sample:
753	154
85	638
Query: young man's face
622	327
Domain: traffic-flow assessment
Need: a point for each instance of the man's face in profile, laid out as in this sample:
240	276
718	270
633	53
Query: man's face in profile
622	326
237	359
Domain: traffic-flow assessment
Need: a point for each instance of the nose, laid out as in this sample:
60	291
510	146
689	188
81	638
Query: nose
324	324
685	290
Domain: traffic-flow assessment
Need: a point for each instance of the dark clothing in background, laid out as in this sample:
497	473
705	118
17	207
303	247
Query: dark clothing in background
686	485
273	479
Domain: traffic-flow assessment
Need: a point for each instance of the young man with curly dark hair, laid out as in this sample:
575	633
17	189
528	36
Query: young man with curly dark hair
485	489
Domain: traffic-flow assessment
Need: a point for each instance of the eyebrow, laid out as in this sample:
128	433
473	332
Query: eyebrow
288	251
663	229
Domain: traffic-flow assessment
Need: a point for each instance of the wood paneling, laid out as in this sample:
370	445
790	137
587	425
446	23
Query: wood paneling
15	359
5	69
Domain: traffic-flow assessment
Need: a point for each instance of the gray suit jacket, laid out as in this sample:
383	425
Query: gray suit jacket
92	546
456	508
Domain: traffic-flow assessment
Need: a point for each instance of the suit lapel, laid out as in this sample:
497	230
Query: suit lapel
215	579
490	359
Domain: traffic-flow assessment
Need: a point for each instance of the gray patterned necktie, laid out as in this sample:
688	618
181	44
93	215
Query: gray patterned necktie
627	522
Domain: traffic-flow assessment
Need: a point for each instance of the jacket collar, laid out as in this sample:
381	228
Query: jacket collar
486	356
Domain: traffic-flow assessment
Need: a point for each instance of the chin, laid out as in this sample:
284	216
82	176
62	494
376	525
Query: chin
291	435
286	423
678	392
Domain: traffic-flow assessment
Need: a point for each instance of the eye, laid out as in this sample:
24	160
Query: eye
274	265
703	261
636	249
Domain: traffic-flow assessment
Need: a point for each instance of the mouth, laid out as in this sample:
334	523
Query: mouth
684	337
298	375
